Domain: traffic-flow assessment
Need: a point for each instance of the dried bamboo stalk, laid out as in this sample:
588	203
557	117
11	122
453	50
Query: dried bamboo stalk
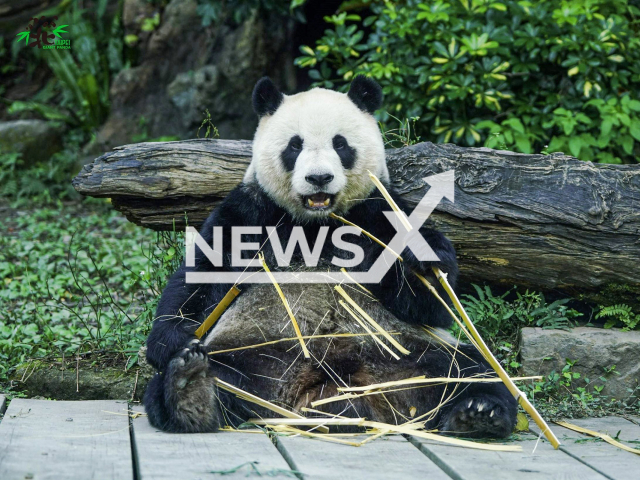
346	274
290	339
371	321
401	215
218	311
363	325
441	438
372	237
286	306
422	380
603	436
310	422
249	397
328	438
486	353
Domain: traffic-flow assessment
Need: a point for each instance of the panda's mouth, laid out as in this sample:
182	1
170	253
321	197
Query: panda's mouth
317	201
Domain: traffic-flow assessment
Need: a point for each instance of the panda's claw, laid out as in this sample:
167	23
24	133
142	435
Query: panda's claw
481	416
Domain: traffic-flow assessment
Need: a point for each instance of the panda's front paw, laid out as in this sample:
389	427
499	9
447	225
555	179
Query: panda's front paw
191	363
479	417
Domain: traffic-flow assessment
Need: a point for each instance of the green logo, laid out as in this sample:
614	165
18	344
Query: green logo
41	31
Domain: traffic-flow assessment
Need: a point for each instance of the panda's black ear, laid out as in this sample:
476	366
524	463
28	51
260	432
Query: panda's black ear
366	94
266	97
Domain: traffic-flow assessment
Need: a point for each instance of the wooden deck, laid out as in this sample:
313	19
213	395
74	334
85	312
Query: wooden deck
42	439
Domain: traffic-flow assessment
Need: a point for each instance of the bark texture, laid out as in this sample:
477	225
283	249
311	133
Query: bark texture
545	221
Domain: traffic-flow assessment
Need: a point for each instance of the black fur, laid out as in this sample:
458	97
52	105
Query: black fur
291	153
366	94
182	308
266	97
345	151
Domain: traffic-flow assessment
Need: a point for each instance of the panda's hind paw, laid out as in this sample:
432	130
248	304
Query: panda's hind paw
479	417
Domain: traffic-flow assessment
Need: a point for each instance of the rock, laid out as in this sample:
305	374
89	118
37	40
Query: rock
184	68
93	383
36	140
593	349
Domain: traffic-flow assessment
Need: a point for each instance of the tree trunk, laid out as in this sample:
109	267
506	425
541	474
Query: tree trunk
549	222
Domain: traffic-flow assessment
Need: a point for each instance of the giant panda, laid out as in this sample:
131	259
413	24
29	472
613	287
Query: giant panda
312	152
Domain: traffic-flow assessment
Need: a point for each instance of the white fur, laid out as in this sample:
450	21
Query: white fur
317	116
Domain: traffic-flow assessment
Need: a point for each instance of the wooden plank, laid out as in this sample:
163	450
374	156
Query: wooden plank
163	455
384	458
48	440
538	460
607	459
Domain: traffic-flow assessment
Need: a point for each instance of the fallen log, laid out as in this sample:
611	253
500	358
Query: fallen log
549	222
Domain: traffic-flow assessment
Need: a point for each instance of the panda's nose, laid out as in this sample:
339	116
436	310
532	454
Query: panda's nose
319	180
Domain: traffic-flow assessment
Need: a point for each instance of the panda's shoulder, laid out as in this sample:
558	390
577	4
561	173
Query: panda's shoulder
246	204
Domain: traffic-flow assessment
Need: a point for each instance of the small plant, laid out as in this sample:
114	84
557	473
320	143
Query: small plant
212	130
619	315
403	136
499	318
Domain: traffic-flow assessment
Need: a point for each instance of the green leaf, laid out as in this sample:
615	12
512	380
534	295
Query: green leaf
59	29
24	35
634	128
575	145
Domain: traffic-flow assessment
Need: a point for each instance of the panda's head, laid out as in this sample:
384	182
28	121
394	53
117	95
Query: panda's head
313	151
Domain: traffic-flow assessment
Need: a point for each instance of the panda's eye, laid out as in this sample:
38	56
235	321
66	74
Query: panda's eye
339	146
296	146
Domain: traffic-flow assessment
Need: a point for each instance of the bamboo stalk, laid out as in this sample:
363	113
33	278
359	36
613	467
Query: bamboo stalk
371	321
218	311
422	380
401	215
290	339
346	274
363	325
603	436
482	347
372	237
286	306
306	421
441	438
249	397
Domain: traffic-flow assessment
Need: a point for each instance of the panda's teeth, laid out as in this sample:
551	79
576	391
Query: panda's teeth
326	202
310	202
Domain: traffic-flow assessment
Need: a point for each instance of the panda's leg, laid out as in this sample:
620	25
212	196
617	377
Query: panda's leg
487	410
184	397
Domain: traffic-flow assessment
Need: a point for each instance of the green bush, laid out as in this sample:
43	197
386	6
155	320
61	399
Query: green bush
529	76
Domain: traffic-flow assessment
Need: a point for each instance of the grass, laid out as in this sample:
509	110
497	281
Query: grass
77	278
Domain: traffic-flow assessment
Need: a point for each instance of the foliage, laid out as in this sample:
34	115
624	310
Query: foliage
499	319
45	182
561	75
77	279
212	130
212	11
619	315
78	91
403	136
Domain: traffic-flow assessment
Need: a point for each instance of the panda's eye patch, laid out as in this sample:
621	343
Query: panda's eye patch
346	153
290	154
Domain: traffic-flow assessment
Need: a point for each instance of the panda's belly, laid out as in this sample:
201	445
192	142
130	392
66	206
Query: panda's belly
258	316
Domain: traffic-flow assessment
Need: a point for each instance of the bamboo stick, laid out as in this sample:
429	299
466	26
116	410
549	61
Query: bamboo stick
218	311
290	339
363	325
482	347
368	318
294	322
